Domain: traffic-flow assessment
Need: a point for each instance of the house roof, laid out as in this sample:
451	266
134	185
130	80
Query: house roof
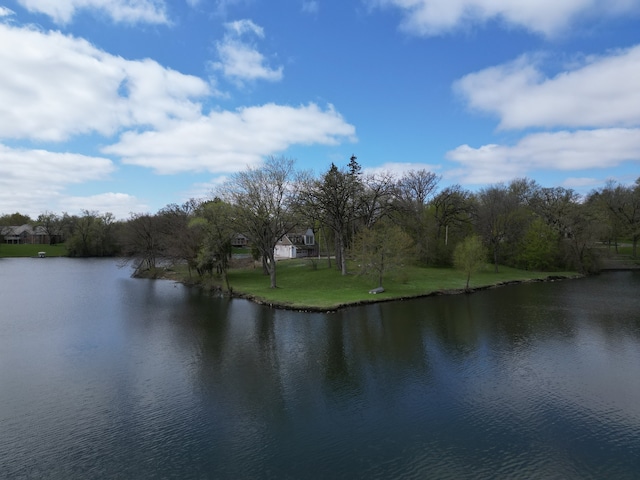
17	230
296	238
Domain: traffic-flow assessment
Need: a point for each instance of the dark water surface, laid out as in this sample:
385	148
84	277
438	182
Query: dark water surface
104	376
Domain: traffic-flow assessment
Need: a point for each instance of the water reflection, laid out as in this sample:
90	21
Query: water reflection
144	379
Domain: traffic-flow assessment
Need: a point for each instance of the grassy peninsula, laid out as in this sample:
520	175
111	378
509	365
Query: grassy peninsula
31	250
309	284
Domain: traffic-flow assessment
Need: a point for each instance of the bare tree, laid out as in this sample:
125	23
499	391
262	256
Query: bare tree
179	243
51	224
555	206
623	202
264	200
141	241
495	212
412	193
377	194
452	206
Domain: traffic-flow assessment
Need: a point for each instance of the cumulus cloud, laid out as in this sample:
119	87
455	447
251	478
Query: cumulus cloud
55	86
239	59
601	91
225	141
35	179
121	11
565	151
546	17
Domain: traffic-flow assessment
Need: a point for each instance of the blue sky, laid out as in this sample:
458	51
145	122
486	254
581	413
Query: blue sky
128	105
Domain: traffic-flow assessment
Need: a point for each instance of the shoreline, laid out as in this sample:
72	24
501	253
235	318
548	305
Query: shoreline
375	298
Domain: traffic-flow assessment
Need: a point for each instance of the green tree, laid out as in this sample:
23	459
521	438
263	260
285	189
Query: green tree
215	220
91	234
540	247
469	255
14	219
336	201
381	250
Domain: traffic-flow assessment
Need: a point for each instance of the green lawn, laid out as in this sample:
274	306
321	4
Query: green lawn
32	250
302	286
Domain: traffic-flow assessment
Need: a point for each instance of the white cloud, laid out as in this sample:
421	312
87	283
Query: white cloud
240	60
32	180
244	26
223	7
122	11
581	182
400	168
602	91
229	141
119	204
564	151
55	86
205	190
310	6
5	12
546	17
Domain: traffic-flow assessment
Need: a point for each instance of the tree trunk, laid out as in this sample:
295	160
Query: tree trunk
326	243
272	271
343	259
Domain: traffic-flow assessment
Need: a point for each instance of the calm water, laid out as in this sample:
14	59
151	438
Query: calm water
104	376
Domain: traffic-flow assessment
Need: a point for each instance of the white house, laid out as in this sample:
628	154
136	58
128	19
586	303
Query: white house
297	245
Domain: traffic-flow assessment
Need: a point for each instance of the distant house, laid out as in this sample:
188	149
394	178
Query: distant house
297	245
239	241
24	234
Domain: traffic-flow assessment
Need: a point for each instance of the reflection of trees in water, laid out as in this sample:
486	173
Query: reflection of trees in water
337	371
284	384
238	362
259	362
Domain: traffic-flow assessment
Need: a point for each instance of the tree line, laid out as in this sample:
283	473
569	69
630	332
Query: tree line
379	220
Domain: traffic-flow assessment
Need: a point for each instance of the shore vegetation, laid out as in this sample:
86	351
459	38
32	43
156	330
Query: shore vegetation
311	285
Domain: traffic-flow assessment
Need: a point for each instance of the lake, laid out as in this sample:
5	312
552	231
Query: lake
105	376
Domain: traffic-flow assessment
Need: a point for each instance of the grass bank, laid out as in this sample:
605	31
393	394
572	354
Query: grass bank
310	285
7	250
